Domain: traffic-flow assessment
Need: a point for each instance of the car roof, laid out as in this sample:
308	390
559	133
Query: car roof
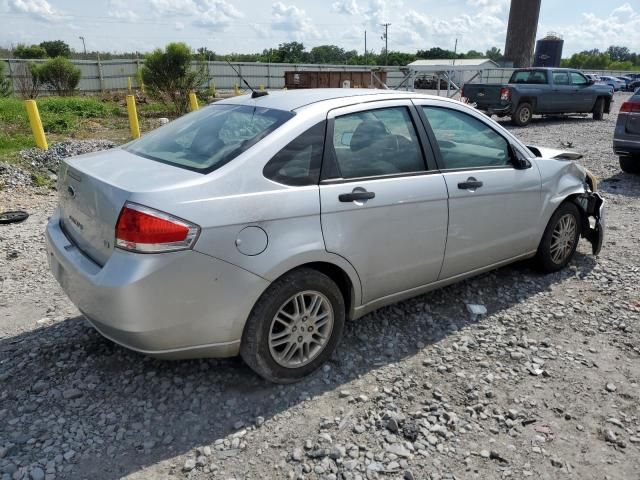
296	99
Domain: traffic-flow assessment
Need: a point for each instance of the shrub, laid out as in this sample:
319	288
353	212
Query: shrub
33	51
27	79
59	74
5	83
168	75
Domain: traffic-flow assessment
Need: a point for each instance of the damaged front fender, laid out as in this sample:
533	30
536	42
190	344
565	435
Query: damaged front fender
592	204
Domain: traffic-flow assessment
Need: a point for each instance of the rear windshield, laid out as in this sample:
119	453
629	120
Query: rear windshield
210	137
529	76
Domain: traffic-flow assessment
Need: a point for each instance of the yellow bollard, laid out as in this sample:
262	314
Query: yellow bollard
141	85
213	86
262	88
236	90
129	84
193	101
133	116
36	124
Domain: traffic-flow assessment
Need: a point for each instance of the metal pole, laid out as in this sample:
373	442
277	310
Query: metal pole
385	36
84	47
365	47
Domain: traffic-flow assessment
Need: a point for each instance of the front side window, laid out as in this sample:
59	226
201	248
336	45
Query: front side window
299	162
376	142
578	79
210	137
560	78
466	142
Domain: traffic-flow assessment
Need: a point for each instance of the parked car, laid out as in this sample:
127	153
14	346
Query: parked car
627	80
634	85
543	91
257	226
626	137
614	82
593	76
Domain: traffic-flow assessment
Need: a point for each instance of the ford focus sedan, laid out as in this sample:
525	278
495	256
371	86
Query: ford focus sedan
258	226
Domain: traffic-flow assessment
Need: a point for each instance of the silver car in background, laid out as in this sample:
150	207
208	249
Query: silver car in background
257	226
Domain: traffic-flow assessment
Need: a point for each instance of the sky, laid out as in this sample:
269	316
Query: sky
246	26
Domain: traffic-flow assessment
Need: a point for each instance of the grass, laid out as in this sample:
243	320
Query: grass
69	117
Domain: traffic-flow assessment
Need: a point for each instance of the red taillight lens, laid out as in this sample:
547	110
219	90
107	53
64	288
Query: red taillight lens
629	107
505	94
142	229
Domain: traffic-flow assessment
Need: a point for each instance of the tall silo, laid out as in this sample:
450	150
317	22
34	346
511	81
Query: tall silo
521	32
548	51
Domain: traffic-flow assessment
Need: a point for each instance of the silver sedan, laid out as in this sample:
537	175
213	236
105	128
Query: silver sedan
258	226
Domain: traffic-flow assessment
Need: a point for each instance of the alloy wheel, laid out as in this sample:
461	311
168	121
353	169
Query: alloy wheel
563	238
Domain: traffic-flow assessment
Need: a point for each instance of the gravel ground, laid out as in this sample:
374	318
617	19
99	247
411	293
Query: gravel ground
545	385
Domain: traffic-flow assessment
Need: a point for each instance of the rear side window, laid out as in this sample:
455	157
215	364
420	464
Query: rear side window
210	137
376	142
560	78
298	163
529	76
466	142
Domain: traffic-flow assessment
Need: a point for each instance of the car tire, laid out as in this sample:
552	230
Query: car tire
598	109
630	164
560	239
268	339
523	115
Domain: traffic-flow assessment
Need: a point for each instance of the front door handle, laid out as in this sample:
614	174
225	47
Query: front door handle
470	184
356	195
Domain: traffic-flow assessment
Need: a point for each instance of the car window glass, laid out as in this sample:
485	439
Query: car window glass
210	137
560	78
578	79
376	142
528	76
464	141
299	162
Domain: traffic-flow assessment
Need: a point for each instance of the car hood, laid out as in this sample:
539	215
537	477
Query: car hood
555	154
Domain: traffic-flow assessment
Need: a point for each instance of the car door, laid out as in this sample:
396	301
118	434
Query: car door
561	92
583	95
493	206
383	202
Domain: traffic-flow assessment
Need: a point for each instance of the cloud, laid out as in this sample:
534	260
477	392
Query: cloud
216	15
119	9
173	7
38	9
346	7
179	26
293	20
620	27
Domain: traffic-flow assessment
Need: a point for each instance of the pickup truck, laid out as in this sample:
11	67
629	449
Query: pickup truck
542	91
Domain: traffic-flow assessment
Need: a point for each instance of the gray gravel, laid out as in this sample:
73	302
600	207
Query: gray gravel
545	384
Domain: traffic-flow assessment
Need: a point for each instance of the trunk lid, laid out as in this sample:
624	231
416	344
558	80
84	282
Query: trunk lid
94	187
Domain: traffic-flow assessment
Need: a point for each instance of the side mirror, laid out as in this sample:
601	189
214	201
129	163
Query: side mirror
517	160
590	81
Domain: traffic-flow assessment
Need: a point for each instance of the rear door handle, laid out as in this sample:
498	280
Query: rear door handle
470	184
356	195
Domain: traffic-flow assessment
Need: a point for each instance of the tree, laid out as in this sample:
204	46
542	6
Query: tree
33	51
27	79
435	53
205	54
169	76
5	83
494	53
59	74
56	48
473	54
292	52
327	54
618	54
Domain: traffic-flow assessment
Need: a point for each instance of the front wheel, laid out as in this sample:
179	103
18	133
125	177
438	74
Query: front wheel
630	164
523	115
294	326
560	239
598	109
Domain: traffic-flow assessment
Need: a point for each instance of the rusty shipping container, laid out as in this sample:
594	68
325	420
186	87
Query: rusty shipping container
334	79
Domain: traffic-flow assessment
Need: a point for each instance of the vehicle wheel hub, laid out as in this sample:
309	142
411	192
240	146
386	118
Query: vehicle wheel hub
563	238
300	329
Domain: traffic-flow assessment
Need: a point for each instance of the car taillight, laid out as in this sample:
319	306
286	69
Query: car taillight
143	229
505	94
629	107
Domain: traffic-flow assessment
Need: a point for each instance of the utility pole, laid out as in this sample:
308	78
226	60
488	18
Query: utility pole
365	47
455	52
84	46
385	37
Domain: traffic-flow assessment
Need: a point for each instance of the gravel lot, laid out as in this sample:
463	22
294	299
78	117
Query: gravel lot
546	385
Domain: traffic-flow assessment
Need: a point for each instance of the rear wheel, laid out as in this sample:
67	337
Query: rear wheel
523	115
630	164
294	326
598	109
560	239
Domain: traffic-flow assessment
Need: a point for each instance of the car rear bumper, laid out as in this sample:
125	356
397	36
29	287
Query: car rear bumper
626	147
173	305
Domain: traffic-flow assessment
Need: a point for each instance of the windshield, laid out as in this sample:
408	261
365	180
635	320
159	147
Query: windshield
529	76
210	137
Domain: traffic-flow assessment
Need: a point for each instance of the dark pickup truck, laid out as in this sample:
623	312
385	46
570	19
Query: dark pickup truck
542	91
